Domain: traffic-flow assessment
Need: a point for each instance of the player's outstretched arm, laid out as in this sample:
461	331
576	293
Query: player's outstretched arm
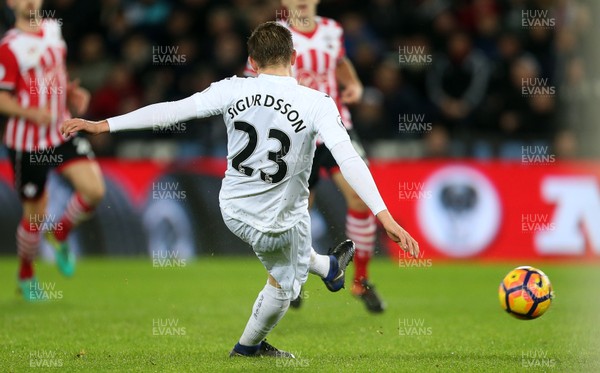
398	234
75	125
356	172
359	177
156	115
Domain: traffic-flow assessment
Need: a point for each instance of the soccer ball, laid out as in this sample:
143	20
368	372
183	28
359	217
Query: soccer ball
525	293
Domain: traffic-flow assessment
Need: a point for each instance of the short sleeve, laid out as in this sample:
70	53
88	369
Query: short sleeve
213	99
9	69
342	53
328	122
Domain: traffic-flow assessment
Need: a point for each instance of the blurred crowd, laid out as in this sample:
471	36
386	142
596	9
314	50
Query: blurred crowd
477	78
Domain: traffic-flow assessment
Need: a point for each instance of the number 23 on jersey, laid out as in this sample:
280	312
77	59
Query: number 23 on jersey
248	150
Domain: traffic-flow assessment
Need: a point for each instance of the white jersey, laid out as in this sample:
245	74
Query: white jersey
272	123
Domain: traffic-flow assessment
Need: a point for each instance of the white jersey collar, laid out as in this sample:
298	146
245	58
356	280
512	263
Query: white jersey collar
278	78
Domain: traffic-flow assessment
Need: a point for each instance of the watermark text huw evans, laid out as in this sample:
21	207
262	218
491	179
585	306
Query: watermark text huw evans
167	326
44	359
537	359
414	327
167	259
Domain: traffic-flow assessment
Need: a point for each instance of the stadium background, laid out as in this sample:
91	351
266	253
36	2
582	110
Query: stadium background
507	171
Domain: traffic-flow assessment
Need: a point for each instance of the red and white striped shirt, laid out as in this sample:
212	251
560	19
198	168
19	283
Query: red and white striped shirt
33	68
318	54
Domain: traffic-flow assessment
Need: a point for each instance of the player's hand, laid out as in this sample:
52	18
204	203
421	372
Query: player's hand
352	93
41	116
79	98
398	234
75	125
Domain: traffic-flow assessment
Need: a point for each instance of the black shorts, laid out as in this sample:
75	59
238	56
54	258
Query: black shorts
323	159
31	168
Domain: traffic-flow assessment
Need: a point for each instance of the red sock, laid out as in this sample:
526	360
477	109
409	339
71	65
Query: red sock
28	240
26	269
361	228
77	210
361	262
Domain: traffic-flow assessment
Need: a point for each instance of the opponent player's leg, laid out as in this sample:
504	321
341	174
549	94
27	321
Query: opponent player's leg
82	171
88	184
360	228
30	182
28	242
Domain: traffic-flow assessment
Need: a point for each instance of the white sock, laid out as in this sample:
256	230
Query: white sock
269	307
319	264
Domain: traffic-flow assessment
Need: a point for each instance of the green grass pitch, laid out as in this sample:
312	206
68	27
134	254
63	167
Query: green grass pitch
124	315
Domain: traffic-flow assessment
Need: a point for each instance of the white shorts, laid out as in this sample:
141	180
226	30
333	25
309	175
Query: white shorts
285	255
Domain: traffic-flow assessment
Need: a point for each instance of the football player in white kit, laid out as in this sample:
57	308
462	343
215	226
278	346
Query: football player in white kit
322	64
272	124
